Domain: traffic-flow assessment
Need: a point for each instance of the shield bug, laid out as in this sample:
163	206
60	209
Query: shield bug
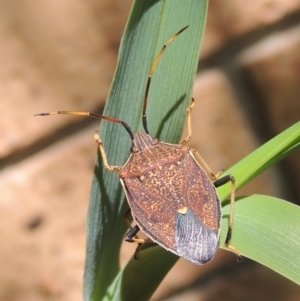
172	199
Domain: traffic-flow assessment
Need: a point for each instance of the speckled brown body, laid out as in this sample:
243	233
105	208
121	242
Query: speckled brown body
160	181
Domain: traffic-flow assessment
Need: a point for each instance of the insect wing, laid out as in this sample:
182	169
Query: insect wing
152	212
194	240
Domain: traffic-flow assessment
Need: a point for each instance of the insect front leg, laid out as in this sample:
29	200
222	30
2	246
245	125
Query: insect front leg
220	182
186	139
103	153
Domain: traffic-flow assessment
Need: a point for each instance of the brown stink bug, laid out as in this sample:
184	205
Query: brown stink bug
170	196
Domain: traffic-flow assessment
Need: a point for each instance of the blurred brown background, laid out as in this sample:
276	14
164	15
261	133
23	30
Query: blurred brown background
61	55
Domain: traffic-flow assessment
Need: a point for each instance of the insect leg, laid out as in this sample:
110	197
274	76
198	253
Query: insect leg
189	119
132	237
128	222
214	176
220	182
152	71
103	153
132	233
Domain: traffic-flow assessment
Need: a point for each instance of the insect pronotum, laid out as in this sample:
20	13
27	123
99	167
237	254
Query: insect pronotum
170	196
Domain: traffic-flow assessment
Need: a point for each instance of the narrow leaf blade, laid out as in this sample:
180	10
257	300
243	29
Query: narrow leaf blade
267	230
150	25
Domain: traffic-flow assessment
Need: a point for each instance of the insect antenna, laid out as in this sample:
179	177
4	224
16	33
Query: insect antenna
108	118
152	70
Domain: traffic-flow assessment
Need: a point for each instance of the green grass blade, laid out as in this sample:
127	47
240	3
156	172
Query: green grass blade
150	25
140	278
261	159
267	230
